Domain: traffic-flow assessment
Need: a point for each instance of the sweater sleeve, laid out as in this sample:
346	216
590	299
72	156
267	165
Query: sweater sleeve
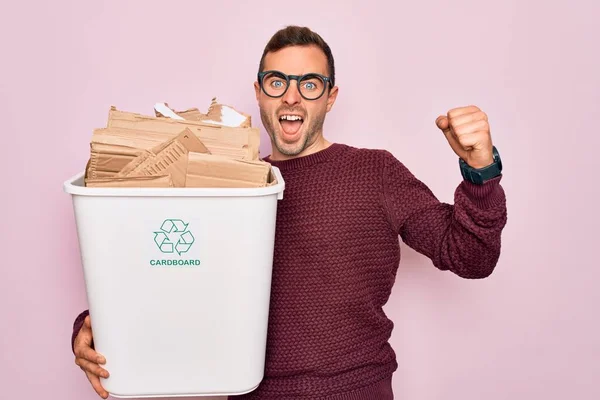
77	327
464	238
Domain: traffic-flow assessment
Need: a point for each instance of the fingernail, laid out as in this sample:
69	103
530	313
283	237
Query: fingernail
101	360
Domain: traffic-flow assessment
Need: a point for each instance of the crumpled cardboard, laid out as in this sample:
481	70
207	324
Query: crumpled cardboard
177	149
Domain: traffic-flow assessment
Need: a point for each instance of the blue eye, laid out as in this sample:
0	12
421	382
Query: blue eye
277	84
311	84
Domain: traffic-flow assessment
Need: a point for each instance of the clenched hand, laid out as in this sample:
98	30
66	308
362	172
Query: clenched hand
468	132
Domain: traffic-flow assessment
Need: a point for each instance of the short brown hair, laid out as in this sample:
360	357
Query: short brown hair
299	36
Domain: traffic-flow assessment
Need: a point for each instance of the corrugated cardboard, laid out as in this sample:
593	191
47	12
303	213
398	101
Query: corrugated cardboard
138	181
168	158
272	179
113	148
177	149
240	143
215	171
106	160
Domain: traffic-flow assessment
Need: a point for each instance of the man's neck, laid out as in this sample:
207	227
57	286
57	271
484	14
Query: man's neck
320	144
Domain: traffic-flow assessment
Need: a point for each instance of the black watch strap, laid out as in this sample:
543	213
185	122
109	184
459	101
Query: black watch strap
479	176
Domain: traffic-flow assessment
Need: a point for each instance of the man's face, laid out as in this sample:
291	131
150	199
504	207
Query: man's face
291	136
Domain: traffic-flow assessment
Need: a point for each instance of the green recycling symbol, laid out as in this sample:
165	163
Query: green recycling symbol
174	237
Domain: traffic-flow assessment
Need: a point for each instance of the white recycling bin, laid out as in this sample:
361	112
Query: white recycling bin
178	284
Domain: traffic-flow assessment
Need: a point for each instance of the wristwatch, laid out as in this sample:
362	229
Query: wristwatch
479	176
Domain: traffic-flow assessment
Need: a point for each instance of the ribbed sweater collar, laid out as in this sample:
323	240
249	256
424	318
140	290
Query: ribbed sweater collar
306	161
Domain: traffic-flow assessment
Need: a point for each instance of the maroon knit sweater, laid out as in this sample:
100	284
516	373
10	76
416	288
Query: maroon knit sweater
336	255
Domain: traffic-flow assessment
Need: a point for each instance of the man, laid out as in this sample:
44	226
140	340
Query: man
337	248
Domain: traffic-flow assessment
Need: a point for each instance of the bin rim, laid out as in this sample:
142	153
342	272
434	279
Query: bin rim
75	186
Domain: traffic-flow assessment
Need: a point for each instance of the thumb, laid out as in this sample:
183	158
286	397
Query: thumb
442	123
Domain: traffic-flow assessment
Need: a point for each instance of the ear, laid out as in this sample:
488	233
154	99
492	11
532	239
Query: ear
332	97
257	90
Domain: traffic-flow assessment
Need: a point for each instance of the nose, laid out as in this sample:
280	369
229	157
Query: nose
292	95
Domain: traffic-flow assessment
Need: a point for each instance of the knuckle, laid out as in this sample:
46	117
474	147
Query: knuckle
83	364
86	366
90	355
99	371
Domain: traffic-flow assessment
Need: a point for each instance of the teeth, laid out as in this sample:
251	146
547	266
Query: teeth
290	118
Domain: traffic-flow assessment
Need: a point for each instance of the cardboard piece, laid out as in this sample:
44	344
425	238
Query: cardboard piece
113	148
215	171
272	179
240	143
138	181
106	160
169	158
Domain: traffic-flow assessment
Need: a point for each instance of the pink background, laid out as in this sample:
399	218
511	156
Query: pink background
530	331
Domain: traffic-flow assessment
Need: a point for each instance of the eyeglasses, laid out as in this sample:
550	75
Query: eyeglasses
275	84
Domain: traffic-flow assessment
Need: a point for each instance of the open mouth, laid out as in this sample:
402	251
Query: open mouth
290	124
